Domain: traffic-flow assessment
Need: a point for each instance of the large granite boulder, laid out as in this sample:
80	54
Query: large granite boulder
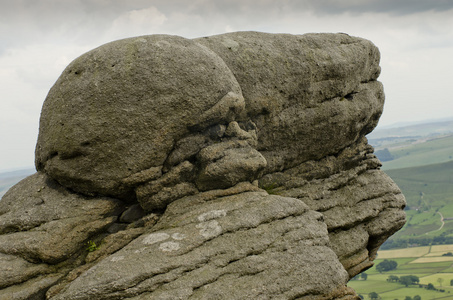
227	167
120	109
310	95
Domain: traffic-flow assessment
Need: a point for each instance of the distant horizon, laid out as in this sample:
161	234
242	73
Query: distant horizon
18	169
414	122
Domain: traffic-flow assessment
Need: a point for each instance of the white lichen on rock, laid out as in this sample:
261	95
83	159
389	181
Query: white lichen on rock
210	229
155	238
210	215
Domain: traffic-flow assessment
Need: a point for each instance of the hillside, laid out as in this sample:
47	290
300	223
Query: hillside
413	145
436	127
419	159
424	151
429	194
432	265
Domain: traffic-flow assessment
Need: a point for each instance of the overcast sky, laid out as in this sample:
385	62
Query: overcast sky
39	38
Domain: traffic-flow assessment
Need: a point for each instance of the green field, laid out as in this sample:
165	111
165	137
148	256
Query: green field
423	168
429	195
428	189
422	152
429	270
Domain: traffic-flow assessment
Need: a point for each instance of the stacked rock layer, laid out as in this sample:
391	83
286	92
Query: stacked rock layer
227	167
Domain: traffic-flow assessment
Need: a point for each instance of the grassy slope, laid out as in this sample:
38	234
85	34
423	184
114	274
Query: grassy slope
429	189
422	129
434	151
424	172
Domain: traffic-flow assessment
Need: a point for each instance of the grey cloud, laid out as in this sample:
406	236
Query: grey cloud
30	20
45	13
83	21
394	7
254	8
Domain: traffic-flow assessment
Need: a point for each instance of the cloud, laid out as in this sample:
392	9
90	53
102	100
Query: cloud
394	7
139	21
88	22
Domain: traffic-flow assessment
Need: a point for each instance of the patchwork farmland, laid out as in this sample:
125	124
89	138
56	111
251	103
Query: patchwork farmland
431	264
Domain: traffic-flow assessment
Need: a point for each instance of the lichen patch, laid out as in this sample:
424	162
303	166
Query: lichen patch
155	238
210	229
210	215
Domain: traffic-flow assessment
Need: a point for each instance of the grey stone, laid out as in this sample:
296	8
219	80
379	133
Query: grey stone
173	184
165	195
18	270
228	163
310	95
119	110
243	246
239	163
43	222
187	147
360	203
34	289
132	214
42	225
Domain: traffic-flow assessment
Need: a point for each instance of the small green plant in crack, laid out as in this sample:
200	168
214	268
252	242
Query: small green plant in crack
91	246
271	188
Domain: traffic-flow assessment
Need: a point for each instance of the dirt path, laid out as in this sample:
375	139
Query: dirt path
441	226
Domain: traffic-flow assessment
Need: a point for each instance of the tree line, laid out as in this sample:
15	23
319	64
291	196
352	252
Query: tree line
405	280
420	241
375	296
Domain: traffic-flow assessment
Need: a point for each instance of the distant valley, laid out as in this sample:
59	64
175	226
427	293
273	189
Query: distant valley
419	158
413	145
8	179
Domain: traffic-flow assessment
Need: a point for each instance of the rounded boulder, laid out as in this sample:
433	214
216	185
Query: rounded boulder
121	108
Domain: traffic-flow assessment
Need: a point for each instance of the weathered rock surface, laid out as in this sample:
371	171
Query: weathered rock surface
240	246
120	108
43	227
361	205
228	167
310	95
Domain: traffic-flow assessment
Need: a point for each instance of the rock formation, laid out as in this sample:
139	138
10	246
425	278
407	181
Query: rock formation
227	167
